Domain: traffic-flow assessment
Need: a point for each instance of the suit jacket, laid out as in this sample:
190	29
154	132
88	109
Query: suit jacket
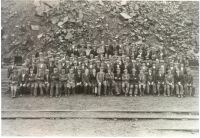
86	78
31	77
23	77
100	76
118	77
78	78
134	79
160	78
179	78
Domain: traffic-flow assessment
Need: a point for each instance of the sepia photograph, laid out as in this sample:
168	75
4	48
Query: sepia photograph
100	68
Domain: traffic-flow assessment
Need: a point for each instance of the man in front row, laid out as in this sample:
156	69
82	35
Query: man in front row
54	83
134	79
125	82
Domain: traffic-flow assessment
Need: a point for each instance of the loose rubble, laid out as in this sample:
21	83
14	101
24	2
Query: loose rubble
172	25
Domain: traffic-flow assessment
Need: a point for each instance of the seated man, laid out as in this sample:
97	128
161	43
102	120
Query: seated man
54	82
169	84
134	79
151	82
125	82
23	79
63	81
39	82
160	81
142	83
78	81
189	84
31	81
179	83
100	80
71	82
86	80
109	79
14	80
93	77
118	81
47	81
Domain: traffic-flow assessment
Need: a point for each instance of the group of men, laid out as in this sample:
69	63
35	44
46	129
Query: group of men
103	70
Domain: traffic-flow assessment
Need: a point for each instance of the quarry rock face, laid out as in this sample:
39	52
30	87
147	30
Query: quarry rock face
59	24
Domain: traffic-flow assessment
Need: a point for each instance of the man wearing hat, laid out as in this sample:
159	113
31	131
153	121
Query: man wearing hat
54	82
100	80
125	82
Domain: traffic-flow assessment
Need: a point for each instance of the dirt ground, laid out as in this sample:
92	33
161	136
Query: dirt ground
90	127
88	102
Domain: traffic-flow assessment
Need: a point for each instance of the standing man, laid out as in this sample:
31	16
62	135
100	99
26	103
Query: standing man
100	80
125	82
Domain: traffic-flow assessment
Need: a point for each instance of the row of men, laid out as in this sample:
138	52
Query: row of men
115	80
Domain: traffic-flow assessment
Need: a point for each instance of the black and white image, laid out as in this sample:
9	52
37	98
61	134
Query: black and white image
100	68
